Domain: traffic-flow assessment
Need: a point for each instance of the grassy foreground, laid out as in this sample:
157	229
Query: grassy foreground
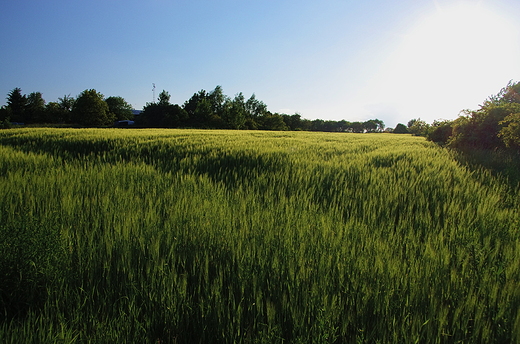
184	236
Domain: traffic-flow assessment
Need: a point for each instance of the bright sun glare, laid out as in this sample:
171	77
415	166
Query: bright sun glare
448	62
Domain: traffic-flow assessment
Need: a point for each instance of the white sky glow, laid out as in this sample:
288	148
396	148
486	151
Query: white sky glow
451	60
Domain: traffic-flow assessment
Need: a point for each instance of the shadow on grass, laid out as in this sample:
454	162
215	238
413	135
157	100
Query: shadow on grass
504	164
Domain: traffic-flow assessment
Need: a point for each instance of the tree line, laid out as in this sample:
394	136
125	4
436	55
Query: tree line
211	110
89	108
494	125
216	110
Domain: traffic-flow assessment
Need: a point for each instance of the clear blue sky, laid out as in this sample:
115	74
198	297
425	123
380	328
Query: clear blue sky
330	59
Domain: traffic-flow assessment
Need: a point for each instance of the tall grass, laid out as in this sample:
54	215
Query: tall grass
185	236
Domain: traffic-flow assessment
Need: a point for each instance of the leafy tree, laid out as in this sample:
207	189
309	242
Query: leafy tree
218	100
380	125
317	124
5	124
206	116
356	127
329	126
152	116
164	98
484	128
252	124
119	108
480	128
5	117
175	116
440	131
90	109
234	114
306	124
510	132
508	94
205	109
66	102
199	109
5	113
54	113
293	122
418	127
334	126
400	129
269	121
164	114
255	108
35	108
370	126
16	103
342	125
511	93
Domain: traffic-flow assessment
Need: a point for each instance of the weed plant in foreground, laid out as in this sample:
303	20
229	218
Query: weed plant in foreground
186	236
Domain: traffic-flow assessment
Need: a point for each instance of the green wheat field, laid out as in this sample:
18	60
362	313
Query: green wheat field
191	236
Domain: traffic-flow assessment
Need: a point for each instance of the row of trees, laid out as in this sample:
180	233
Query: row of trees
203	110
216	110
89	108
495	125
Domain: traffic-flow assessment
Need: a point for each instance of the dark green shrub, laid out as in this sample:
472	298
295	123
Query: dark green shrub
400	129
441	132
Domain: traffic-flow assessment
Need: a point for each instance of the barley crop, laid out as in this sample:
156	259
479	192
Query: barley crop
191	236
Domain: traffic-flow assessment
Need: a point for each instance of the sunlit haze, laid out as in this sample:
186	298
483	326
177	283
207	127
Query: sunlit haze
451	60
333	59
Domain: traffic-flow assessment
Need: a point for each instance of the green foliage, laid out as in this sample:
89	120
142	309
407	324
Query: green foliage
5	123
418	127
508	94
400	129
218	100
181	236
54	113
374	126
356	127
199	109
216	110
234	113
119	108
510	132
5	113
5	117
440	132
164	98
203	110
90	109
270	121
163	114
62	113
294	122
16	103
255	108
481	128
370	126
484	128
35	108
67	102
